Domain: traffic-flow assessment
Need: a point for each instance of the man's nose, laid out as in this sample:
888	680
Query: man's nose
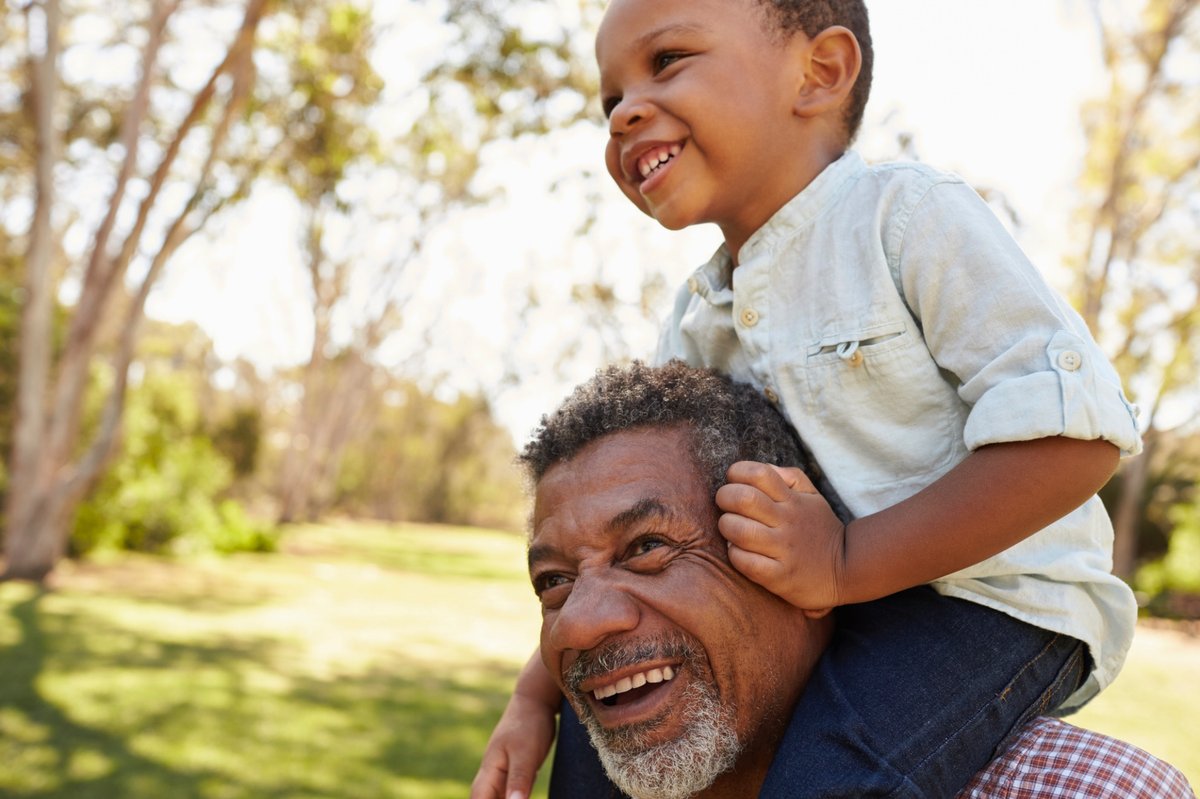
595	610
632	110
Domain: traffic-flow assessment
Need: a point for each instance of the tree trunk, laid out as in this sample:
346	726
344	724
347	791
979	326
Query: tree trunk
38	543
26	556
1128	513
49	477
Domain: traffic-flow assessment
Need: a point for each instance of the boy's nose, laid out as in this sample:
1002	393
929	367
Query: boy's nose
595	610
628	114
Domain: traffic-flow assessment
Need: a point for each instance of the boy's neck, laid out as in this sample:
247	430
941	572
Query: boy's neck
803	172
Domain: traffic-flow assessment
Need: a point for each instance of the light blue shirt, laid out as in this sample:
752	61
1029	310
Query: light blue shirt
898	326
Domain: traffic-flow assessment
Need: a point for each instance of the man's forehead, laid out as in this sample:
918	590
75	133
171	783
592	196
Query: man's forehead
619	481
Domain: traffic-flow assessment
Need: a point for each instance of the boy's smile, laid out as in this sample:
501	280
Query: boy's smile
699	95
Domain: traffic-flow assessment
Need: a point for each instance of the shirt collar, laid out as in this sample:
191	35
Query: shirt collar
712	281
802	209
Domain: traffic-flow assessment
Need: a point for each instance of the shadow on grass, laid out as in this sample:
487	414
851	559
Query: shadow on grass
20	668
89	710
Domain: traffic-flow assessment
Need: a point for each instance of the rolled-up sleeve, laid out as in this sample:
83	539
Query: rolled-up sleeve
1024	361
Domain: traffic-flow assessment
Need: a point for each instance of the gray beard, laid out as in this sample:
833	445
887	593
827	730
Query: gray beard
675	769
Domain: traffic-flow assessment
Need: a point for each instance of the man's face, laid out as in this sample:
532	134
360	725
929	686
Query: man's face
653	637
699	96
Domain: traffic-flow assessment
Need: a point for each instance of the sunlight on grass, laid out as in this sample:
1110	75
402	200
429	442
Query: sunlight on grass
361	661
1155	702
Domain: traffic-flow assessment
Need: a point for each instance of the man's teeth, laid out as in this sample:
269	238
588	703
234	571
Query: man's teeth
665	674
656	160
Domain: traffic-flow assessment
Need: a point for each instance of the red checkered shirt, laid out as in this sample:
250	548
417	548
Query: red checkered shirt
1053	759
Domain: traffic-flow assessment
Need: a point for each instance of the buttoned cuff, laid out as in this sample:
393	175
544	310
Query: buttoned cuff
1077	396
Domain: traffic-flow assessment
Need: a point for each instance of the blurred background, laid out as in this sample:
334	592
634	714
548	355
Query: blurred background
285	283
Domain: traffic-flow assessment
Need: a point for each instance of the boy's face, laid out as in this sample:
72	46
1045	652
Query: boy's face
699	96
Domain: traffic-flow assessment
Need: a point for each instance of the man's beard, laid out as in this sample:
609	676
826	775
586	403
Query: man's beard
674	769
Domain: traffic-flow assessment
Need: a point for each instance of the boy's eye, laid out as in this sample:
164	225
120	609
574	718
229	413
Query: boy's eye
665	59
609	104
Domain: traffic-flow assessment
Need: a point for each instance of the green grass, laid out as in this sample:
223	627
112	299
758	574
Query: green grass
362	661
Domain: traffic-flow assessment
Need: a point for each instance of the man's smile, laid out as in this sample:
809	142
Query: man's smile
611	694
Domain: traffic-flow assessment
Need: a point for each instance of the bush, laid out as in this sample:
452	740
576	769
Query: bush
1169	581
163	491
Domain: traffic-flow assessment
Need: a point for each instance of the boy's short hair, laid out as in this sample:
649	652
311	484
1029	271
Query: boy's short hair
813	16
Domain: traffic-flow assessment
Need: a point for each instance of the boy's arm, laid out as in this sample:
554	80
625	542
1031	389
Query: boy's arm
783	535
1000	495
519	744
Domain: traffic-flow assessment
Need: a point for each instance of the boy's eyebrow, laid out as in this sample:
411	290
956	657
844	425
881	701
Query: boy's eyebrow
672	27
643	509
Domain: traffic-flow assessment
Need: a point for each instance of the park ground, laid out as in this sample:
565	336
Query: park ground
361	661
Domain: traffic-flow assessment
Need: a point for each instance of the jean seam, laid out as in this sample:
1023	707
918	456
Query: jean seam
907	778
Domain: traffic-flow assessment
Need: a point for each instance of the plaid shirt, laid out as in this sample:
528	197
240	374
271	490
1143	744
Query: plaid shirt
1055	760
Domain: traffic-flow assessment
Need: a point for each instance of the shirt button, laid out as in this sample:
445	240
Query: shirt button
749	317
693	285
1070	360
770	395
856	358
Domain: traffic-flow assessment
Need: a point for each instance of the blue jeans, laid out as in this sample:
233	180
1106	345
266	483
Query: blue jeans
915	694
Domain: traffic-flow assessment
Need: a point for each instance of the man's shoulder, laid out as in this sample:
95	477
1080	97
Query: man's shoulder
1051	758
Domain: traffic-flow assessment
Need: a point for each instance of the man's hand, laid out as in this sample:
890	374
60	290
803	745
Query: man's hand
783	535
515	751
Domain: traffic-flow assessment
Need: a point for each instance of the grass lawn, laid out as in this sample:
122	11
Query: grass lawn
362	661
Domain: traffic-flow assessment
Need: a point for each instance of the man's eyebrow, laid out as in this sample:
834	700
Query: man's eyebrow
640	511
540	552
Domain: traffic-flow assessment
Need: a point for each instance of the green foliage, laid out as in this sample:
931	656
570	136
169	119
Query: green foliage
429	460
331	87
163	492
239	438
1179	570
10	320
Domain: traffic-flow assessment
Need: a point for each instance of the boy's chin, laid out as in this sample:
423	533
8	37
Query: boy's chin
669	220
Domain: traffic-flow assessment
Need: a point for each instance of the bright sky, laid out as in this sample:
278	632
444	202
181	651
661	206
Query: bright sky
989	90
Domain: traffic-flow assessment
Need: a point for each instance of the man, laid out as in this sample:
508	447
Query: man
684	672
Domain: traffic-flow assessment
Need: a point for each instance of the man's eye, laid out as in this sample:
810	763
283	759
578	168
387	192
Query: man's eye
646	545
545	582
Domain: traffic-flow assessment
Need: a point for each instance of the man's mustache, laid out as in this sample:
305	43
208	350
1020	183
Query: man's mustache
620	654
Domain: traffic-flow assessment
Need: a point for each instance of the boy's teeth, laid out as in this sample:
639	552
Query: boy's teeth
653	162
665	674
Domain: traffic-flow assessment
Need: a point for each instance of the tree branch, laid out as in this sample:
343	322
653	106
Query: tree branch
85	327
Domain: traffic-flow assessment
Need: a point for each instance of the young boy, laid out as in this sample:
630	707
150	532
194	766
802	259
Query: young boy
960	409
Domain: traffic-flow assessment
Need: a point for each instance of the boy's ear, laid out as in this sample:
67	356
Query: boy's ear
831	66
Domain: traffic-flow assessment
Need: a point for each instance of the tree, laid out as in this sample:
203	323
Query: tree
494	81
169	175
1139	273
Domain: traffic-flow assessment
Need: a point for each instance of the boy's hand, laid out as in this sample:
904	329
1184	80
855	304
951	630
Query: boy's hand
515	751
783	535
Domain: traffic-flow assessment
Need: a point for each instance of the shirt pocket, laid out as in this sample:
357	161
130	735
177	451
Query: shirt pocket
883	404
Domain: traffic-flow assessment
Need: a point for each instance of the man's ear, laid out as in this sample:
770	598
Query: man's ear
832	63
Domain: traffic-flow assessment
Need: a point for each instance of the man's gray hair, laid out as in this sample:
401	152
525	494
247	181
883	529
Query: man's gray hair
727	421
